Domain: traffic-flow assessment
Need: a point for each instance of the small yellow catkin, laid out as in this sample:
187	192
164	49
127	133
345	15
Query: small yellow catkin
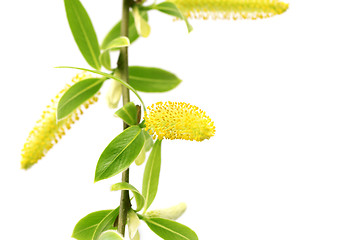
48	131
230	9
178	120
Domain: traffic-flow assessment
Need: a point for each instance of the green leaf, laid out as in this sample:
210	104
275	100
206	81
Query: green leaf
126	186
77	95
94	223
188	25
151	175
128	113
133	223
171	9
83	32
85	228
120	153
170	230
115	44
141	25
110	235
106	223
147	79
141	158
142	124
149	142
105	60
115	32
112	77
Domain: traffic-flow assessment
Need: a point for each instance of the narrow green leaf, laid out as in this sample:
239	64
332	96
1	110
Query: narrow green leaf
170	230
133	223
83	32
149	142
141	158
115	44
110	235
86	227
112	77
171	9
126	186
188	25
105	60
151	175
128	113
106	223
77	95
148	79
116	31
120	153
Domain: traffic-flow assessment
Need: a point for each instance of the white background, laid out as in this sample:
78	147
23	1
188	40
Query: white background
284	95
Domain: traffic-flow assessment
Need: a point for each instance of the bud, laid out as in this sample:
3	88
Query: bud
114	94
171	213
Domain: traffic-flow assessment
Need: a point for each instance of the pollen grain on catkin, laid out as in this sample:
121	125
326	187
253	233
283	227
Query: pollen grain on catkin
47	130
178	120
230	9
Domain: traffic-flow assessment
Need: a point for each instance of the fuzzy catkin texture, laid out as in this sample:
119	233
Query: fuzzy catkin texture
47	131
178	120
230	9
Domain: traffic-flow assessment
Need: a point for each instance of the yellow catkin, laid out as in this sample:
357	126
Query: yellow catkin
48	131
178	120
230	9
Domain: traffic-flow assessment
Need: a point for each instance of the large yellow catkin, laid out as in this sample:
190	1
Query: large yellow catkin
178	120
48	131
230	9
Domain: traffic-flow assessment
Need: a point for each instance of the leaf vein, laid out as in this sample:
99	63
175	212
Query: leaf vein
86	37
168	229
79	93
111	162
